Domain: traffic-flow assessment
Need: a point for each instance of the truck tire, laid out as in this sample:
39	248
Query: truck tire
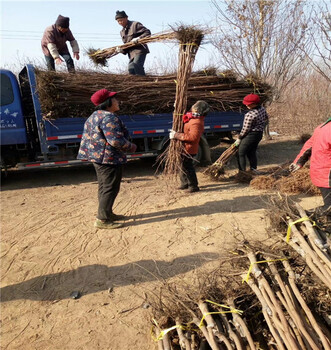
203	156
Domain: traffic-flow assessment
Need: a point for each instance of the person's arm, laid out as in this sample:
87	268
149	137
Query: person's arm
247	125
53	50
114	134
73	43
191	137
141	31
305	153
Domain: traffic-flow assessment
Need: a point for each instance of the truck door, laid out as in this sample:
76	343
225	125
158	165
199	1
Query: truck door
12	126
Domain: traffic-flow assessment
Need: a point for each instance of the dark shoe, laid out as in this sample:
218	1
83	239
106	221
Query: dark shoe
109	225
255	172
183	187
116	217
193	189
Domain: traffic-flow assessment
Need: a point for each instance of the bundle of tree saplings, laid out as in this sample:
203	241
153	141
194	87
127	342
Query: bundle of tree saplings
216	170
305	236
64	95
257	299
184	318
189	42
100	57
289	319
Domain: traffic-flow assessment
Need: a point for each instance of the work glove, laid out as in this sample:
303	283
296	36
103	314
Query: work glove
119	50
237	142
135	40
58	60
294	167
172	134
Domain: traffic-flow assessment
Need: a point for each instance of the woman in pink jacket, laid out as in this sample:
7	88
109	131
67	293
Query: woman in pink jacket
193	129
318	149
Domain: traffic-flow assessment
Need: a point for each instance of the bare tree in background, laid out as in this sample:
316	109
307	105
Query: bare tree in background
263	38
320	57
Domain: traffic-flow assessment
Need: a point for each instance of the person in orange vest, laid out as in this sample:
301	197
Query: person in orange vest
318	150
193	129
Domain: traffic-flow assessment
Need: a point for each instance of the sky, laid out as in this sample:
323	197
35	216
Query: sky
93	25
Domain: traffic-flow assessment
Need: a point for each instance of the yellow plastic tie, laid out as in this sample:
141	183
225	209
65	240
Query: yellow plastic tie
175	81
258	262
194	44
232	311
235	311
163	332
305	218
212	92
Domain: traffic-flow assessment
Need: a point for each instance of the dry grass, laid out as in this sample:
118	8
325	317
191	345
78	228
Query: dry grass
286	182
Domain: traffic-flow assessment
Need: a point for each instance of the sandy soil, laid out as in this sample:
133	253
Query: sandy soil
50	249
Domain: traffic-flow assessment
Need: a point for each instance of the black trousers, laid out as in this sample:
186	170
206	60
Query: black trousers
248	147
109	179
188	176
326	194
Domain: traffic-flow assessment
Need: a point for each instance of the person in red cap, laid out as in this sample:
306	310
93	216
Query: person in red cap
105	141
318	150
251	132
53	44
132	31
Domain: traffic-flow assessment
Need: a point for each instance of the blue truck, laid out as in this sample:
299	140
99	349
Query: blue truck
30	140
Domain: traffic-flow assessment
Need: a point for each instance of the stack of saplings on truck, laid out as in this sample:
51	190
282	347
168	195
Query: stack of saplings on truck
43	113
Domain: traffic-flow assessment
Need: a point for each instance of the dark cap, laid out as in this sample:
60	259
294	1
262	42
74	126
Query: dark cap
201	107
62	21
120	14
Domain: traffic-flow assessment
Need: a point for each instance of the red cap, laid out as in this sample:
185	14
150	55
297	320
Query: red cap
101	96
251	99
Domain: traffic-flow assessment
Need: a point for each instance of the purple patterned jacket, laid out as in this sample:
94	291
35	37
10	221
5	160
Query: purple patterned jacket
105	139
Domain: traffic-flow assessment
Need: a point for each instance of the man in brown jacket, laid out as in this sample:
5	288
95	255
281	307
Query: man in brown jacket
133	31
53	44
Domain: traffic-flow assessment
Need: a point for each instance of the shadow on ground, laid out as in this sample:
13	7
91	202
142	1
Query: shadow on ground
95	278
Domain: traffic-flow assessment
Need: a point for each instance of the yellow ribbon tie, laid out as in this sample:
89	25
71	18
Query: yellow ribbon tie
163	332
258	262
232	311
305	218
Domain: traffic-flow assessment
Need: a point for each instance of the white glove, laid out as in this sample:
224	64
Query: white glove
118	50
135	40
237	142
294	167
172	134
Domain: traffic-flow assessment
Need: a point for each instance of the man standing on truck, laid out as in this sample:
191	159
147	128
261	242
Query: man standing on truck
54	45
104	143
133	31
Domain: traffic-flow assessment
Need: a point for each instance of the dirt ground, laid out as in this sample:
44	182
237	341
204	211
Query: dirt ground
50	249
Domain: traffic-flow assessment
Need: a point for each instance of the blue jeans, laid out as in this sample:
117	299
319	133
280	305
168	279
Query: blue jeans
136	65
67	58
